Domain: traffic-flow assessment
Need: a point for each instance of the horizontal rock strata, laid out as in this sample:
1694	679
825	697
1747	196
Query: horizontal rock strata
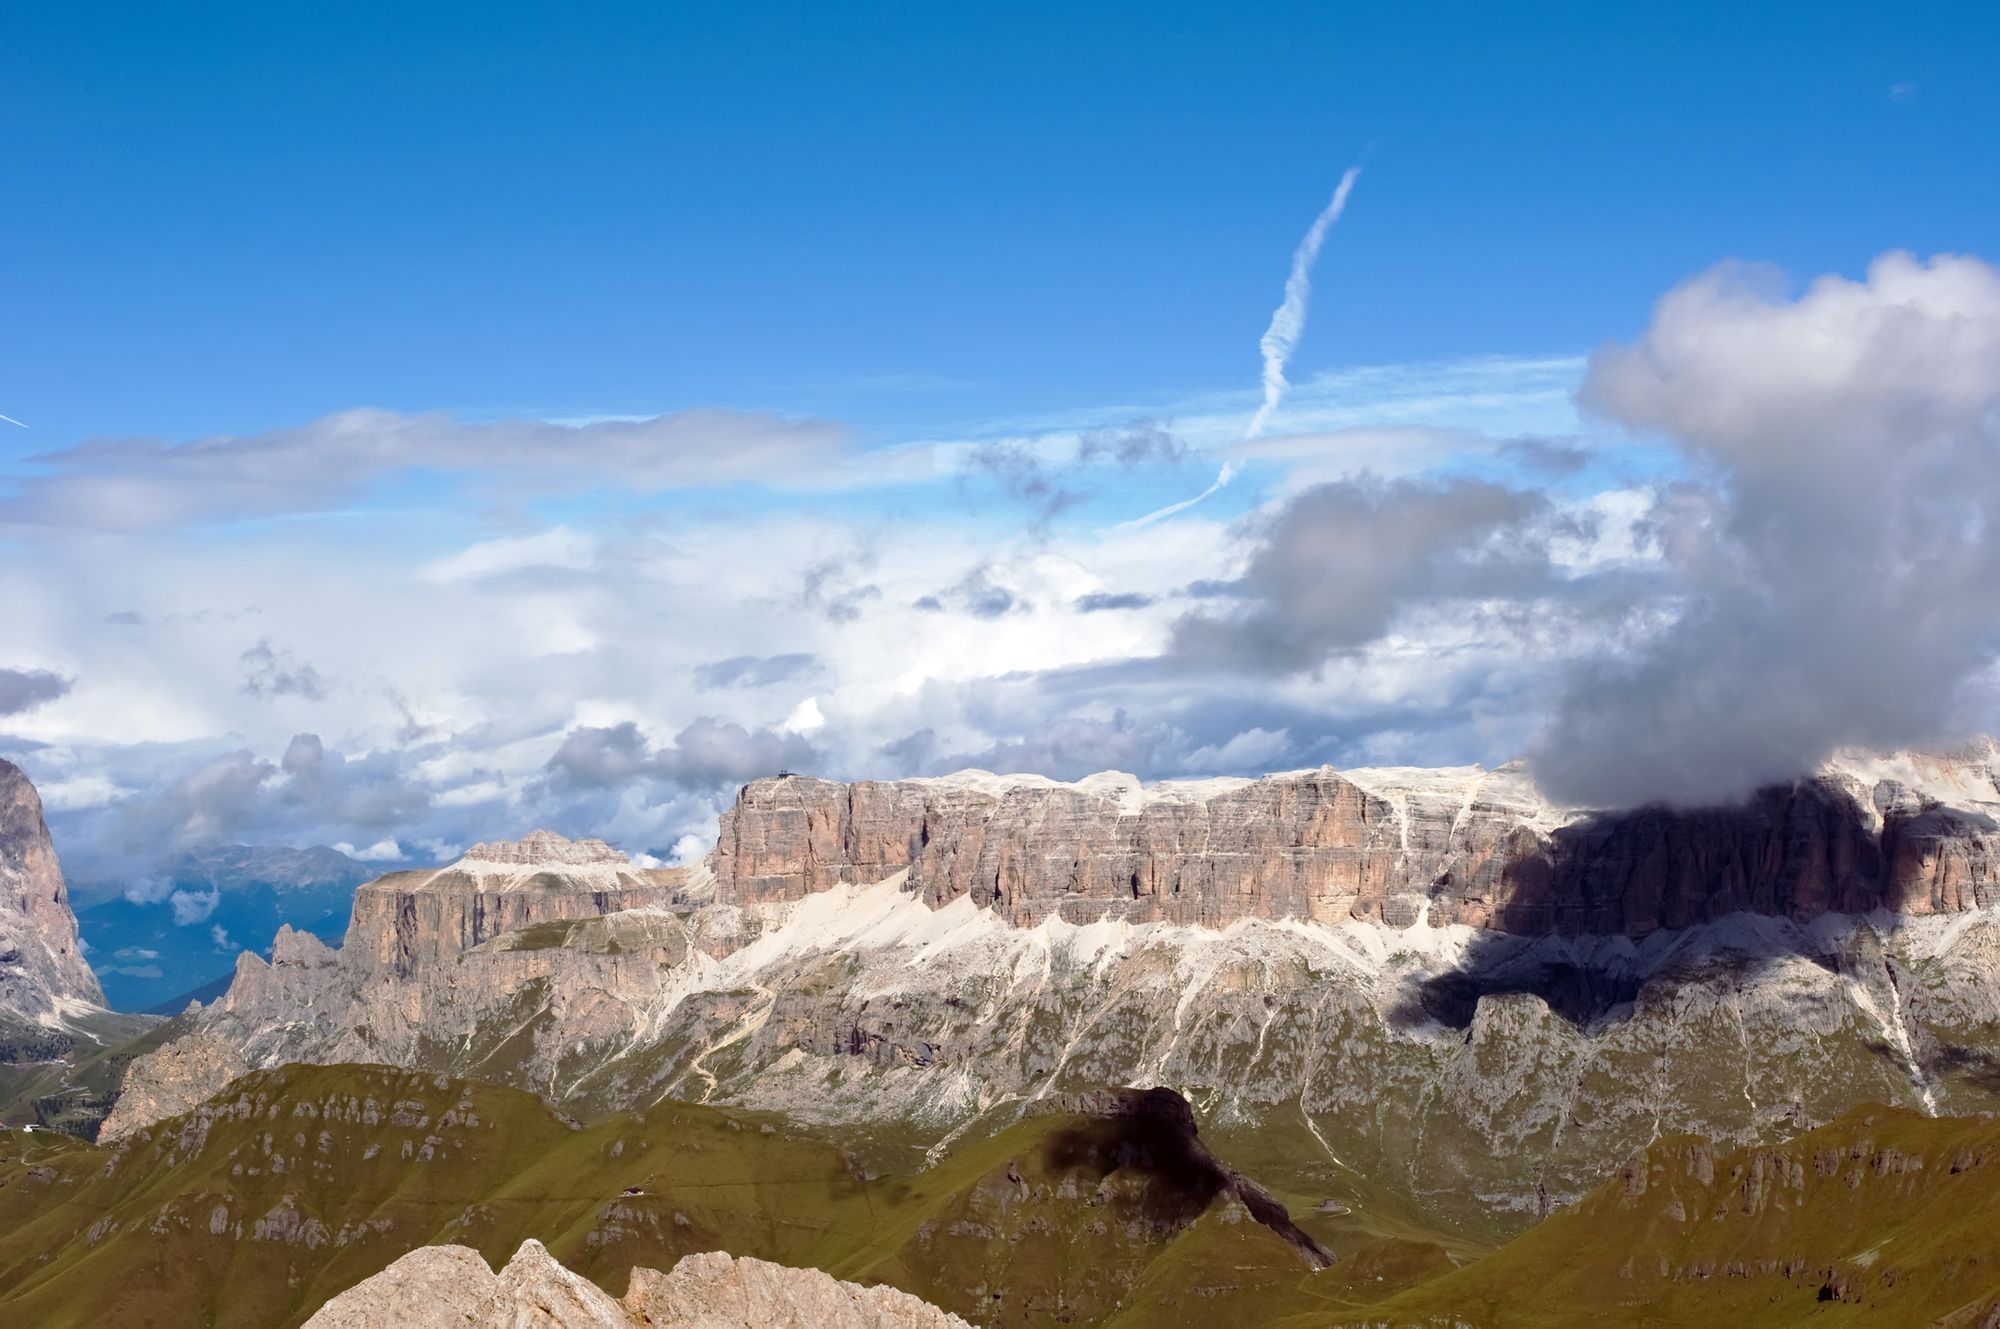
1453	846
406	920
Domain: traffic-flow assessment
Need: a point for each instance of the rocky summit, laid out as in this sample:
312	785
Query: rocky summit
1431	980
444	1287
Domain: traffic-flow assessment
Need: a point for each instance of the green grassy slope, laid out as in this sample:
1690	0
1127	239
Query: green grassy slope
297	1183
300	1182
1882	1218
73	1092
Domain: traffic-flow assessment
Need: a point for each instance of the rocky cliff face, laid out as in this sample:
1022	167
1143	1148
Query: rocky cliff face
1915	835
43	975
447	1287
407	920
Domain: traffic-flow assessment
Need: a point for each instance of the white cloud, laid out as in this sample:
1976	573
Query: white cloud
558	548
145	484
1842	585
805	718
382	851
615	670
85	791
192	907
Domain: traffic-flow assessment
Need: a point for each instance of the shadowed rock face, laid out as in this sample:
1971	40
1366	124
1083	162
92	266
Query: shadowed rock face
41	964
1465	845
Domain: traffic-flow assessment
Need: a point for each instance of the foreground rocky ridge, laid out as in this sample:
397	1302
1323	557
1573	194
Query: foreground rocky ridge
446	1287
1389	970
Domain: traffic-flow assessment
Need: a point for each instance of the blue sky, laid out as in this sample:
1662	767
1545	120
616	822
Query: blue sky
448	420
225	218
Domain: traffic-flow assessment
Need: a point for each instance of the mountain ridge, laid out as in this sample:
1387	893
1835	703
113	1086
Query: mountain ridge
1487	1072
1911	832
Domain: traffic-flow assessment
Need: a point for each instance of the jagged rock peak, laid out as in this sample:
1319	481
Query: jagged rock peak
543	849
450	1287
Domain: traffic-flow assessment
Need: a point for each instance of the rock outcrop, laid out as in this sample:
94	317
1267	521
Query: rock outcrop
451	1287
1913	834
714	1291
432	958
43	976
185	1072
408	919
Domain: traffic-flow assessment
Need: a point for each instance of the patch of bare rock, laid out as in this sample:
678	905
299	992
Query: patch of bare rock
185	1072
451	1287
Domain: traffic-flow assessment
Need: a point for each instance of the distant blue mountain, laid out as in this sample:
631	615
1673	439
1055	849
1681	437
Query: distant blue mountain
159	945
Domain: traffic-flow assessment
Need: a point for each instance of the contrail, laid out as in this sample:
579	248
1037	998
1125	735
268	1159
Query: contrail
12	421
1290	317
1227	474
1279	340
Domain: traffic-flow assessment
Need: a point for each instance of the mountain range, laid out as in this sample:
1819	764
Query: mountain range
1440	1021
154	948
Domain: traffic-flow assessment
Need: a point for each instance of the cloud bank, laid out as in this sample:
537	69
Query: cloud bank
146	484
1770	535
1842	583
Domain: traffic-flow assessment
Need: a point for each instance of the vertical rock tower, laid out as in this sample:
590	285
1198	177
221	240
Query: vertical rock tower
42	969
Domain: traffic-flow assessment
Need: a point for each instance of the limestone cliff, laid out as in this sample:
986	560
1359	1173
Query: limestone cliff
449	1287
408	919
43	975
1467	845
